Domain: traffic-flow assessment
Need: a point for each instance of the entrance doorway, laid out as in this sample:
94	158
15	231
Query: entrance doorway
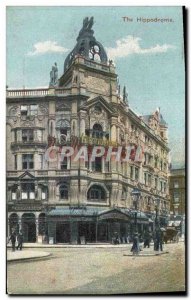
63	233
87	230
29	228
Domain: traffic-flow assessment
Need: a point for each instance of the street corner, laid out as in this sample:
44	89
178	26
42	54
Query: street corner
13	256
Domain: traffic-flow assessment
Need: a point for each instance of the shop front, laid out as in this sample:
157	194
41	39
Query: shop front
89	225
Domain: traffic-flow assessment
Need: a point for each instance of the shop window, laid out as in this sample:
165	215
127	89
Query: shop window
27	191
96	193
27	161
63	192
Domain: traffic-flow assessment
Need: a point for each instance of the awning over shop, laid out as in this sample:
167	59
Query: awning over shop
99	213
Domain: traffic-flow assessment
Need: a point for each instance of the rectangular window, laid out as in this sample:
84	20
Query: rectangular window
27	161
149	179
27	135
176	197
43	195
136	174
64	164
41	161
15	161
28	191
145	178
131	172
165	187
161	186
39	135
107	166
33	109
156	162
15	136
24	110
13	196
156	183
176	185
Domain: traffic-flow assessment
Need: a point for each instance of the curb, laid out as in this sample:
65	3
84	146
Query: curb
148	254
29	258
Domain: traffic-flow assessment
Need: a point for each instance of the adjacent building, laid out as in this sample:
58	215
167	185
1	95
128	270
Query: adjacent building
66	201
177	191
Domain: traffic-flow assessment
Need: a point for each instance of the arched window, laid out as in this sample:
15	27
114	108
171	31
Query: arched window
97	131
63	130
63	192
96	193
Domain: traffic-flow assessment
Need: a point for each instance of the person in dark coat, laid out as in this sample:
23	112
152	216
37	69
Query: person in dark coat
135	248
147	239
20	240
12	238
159	240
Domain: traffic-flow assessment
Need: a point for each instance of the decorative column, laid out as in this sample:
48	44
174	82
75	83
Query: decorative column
37	229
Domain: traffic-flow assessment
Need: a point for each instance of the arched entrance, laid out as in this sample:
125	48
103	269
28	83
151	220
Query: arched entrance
13	223
29	227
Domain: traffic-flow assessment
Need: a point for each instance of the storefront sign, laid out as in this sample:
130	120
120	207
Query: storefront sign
113	215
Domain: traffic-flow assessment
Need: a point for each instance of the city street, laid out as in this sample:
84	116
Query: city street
98	271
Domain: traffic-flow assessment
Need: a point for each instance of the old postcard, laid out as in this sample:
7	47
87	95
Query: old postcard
95	148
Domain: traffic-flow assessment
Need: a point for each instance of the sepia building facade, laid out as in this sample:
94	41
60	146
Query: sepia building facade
66	201
177	191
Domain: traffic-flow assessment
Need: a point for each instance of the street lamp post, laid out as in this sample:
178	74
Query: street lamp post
157	203
136	196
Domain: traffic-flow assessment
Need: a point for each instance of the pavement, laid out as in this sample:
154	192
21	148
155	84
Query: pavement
28	253
98	271
25	254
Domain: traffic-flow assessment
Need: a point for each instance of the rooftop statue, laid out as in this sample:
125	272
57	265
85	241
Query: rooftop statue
54	76
87	45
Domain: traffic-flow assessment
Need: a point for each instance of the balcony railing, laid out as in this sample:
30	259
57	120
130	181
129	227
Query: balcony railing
36	92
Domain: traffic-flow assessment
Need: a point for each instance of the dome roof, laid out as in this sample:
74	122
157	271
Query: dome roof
87	46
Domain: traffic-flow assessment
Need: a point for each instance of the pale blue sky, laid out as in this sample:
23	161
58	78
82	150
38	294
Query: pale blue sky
153	75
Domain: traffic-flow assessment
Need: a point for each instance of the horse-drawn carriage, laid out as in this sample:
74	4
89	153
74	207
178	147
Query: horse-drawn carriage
171	234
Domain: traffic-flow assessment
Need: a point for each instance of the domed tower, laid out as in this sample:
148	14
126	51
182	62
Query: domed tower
87	71
87	45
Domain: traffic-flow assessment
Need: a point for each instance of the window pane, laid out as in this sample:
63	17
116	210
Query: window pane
33	109
24	110
43	195
24	195
24	165
31	195
13	196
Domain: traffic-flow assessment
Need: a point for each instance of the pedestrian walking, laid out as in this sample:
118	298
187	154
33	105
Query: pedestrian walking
12	238
147	239
20	241
135	248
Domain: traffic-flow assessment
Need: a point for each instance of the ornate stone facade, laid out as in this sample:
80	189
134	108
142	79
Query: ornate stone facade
62	201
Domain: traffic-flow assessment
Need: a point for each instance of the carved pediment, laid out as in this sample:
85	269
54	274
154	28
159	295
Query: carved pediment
26	175
99	102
